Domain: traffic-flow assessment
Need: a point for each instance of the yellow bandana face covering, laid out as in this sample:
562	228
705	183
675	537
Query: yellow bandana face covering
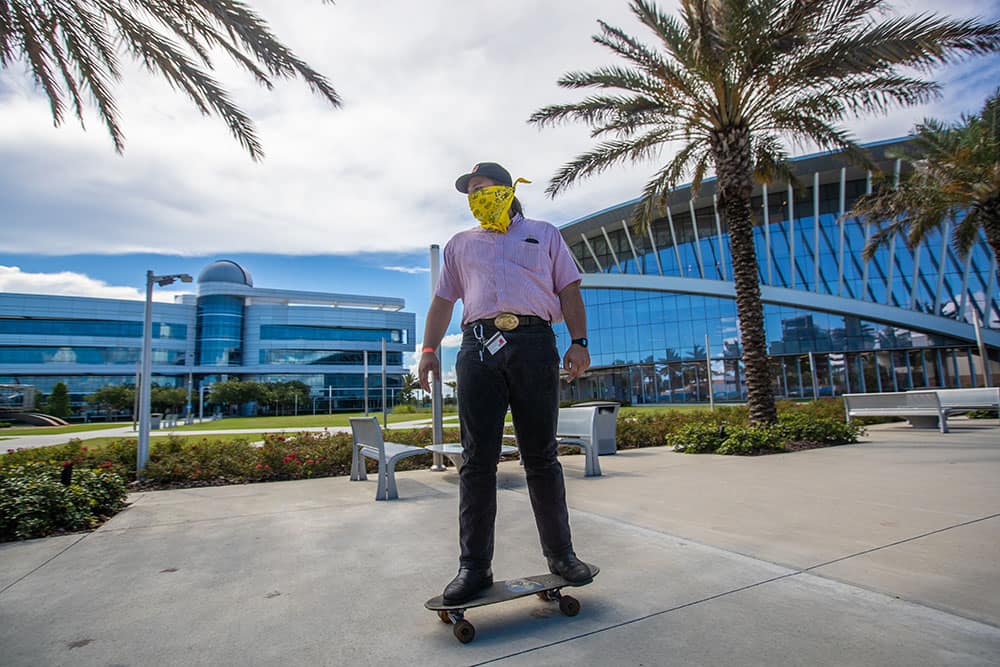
491	206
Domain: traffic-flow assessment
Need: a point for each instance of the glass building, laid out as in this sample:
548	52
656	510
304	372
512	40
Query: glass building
228	329
662	316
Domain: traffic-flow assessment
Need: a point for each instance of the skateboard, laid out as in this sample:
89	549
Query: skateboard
546	586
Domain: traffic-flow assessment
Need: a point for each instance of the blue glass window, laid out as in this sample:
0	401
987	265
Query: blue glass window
220	330
328	357
86	355
32	326
305	332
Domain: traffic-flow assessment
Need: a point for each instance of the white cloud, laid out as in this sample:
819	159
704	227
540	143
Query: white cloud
408	269
67	283
429	88
452	340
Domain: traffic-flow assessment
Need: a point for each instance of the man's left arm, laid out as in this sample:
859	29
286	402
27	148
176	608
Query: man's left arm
577	358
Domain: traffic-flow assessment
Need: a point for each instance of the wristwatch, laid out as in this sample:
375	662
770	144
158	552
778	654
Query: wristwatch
582	342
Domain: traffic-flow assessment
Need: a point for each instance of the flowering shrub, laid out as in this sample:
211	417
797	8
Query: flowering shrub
34	502
303	455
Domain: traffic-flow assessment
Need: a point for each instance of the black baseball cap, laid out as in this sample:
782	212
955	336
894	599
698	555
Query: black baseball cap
490	170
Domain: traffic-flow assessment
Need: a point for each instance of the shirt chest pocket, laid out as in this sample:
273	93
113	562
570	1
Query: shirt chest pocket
528	255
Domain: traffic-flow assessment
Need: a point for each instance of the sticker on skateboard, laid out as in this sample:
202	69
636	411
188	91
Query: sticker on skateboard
545	586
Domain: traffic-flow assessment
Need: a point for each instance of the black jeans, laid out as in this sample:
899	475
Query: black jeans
524	374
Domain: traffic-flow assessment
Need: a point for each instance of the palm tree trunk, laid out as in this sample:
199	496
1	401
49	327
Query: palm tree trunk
734	169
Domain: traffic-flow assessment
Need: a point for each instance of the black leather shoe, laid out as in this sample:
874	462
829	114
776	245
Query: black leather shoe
570	568
465	586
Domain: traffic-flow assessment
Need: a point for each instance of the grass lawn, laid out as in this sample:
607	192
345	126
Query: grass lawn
56	430
650	409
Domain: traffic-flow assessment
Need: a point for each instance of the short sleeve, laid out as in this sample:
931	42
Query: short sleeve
449	287
564	270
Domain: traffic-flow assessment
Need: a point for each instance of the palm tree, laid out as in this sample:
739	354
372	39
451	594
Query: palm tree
80	42
956	169
731	80
409	388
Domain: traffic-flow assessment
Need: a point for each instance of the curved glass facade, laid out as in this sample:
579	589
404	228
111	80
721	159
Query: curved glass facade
649	345
220	330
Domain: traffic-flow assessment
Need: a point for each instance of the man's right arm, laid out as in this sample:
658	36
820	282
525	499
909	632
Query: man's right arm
438	318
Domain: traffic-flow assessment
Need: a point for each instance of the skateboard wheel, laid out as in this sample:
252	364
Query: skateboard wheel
445	618
464	632
569	605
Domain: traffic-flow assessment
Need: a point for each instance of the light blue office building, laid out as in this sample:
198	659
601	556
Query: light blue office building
228	329
835	323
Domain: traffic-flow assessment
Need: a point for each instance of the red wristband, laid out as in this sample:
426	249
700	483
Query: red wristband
428	349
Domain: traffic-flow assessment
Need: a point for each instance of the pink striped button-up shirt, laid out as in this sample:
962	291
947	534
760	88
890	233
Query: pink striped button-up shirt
519	272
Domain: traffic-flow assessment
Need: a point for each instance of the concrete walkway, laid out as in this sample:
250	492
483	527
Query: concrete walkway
210	428
883	553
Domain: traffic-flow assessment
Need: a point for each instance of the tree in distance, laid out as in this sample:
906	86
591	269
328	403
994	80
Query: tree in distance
955	178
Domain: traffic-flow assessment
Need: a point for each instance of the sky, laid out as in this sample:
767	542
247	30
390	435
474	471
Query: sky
346	200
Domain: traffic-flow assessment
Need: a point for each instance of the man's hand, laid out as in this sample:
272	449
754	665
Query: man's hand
576	361
429	364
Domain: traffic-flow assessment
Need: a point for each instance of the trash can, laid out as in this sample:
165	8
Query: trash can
606	426
154	420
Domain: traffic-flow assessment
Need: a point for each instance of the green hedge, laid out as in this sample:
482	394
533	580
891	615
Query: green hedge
800	426
34	502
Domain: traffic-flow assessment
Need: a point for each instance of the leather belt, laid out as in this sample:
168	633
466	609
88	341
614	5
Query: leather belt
510	321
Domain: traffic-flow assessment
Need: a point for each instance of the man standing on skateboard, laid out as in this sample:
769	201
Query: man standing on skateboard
515	278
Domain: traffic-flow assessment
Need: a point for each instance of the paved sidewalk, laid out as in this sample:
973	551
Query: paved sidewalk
883	553
46	439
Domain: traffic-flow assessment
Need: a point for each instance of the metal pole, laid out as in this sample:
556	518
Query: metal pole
437	419
366	382
385	408
812	370
188	417
708	367
135	399
142	451
201	403
296	396
987	375
329	400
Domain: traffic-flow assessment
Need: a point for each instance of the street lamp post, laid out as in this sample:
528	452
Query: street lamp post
142	451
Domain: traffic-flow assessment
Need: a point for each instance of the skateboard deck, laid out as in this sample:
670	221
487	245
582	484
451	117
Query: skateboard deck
545	586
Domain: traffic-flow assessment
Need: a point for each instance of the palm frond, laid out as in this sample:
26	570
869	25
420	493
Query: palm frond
966	232
80	41
608	154
657	191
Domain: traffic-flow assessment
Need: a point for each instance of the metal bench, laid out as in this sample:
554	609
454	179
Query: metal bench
577	428
922	409
957	401
368	443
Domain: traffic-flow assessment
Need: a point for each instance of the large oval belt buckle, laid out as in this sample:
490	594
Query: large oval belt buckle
506	321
